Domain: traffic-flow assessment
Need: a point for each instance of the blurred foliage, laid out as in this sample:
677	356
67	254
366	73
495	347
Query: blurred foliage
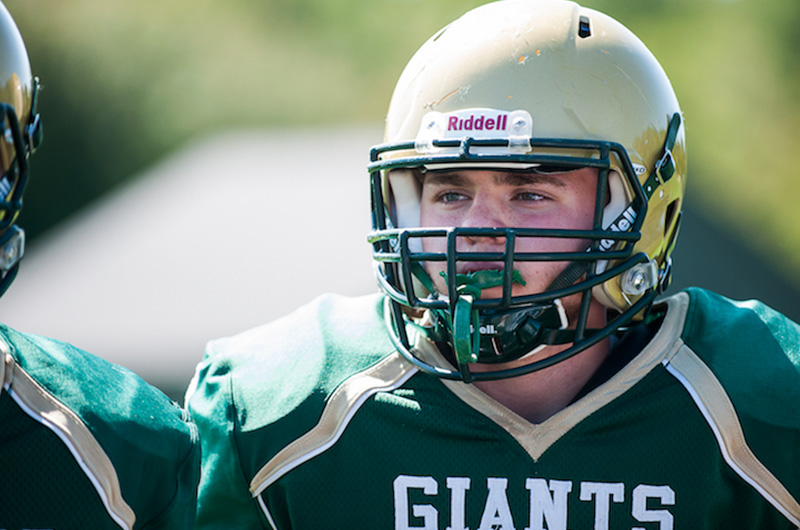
128	82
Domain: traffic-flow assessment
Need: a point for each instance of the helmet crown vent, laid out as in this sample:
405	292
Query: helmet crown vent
584	28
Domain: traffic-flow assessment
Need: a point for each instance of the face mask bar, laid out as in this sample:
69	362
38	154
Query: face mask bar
506	304
15	178
13	183
399	268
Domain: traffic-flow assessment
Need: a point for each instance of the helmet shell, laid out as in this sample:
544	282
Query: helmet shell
16	80
21	134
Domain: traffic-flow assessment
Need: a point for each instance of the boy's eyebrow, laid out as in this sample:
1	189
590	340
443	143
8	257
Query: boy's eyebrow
508	178
521	178
439	178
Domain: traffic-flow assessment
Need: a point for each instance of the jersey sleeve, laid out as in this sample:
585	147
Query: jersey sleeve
136	448
224	499
180	513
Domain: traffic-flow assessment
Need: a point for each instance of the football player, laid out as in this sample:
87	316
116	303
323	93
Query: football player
520	369
83	443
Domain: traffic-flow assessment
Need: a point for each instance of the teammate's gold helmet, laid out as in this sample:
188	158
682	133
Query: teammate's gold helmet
22	132
532	85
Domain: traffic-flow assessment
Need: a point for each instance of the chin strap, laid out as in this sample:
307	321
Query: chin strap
569	275
549	326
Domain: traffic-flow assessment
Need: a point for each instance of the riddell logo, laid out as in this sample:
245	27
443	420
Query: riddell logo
623	223
479	123
487	329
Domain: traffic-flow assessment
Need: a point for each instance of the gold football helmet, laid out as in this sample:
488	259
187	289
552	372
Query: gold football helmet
22	133
528	85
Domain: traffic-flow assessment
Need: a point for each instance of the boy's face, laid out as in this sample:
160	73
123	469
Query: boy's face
506	199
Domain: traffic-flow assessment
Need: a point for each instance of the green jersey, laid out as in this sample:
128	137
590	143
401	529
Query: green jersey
315	421
85	444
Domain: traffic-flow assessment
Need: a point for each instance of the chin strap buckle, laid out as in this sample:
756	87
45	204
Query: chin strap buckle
665	167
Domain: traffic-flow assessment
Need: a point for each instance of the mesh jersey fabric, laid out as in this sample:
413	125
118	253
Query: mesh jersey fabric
315	420
88	444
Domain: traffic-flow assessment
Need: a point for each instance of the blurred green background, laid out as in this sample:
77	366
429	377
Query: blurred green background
126	83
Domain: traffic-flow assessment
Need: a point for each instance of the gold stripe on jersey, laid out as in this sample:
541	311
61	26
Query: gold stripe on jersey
388	374
53	414
538	438
718	410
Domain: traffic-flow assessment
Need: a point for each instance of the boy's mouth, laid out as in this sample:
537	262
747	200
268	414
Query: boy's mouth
472	267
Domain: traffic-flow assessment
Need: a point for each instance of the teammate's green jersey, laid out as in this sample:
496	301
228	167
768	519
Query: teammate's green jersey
315	421
87	445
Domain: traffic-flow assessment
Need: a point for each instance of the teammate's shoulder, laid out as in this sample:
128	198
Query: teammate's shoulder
112	400
118	423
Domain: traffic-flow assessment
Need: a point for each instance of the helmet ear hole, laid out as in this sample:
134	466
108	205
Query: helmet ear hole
669	223
671	226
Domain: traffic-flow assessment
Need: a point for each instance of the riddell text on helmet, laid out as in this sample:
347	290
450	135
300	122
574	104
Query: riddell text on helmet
479	123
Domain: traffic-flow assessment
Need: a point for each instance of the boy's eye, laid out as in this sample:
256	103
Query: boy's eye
530	196
451	196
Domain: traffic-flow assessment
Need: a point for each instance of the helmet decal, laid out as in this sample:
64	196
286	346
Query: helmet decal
514	126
